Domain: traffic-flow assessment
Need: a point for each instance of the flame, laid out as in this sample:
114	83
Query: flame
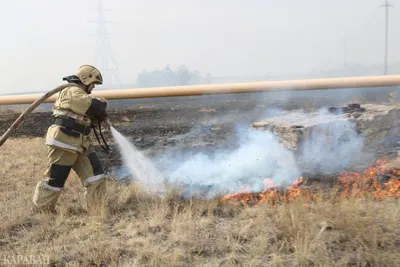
374	181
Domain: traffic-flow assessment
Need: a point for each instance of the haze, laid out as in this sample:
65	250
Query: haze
43	40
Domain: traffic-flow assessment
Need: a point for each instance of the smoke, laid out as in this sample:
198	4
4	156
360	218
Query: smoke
258	156
332	144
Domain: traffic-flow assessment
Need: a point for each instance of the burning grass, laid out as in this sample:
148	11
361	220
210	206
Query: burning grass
377	182
136	229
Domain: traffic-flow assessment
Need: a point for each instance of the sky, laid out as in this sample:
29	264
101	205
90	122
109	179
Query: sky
45	40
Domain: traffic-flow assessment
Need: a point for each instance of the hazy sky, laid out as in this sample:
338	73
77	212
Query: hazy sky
44	40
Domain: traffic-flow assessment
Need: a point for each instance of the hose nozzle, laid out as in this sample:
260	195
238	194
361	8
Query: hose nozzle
107	121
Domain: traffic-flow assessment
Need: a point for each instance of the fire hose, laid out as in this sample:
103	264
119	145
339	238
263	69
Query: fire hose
105	147
40	100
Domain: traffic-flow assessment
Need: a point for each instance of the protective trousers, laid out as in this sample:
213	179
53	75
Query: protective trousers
86	165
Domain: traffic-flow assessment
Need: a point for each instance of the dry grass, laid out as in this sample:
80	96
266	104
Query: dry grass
142	230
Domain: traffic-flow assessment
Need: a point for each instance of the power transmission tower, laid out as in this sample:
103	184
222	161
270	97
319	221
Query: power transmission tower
386	5
104	56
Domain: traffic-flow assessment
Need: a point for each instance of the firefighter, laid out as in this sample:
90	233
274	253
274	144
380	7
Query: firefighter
69	144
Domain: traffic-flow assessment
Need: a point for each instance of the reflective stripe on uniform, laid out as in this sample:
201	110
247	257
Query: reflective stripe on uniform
45	185
53	142
93	179
62	112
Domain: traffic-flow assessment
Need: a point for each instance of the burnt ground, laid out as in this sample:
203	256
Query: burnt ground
194	124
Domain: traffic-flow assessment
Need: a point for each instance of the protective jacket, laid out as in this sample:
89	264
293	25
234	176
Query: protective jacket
74	111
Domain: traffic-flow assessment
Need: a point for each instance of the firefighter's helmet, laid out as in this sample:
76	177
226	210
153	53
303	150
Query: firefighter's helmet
88	74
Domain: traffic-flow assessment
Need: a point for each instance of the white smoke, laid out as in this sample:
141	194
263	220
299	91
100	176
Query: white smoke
258	156
333	145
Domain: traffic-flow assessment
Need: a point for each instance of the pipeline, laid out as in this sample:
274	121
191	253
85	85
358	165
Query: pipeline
229	88
21	117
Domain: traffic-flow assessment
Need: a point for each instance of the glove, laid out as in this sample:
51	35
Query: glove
103	117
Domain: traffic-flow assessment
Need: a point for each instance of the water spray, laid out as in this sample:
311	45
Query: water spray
139	166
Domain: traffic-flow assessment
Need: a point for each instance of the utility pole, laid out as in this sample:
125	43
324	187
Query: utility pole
386	5
104	56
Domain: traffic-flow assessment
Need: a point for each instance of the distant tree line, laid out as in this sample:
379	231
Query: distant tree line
182	75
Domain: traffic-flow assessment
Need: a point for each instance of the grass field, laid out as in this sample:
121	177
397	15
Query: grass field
136	229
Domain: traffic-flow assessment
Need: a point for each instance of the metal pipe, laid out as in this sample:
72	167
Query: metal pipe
229	88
